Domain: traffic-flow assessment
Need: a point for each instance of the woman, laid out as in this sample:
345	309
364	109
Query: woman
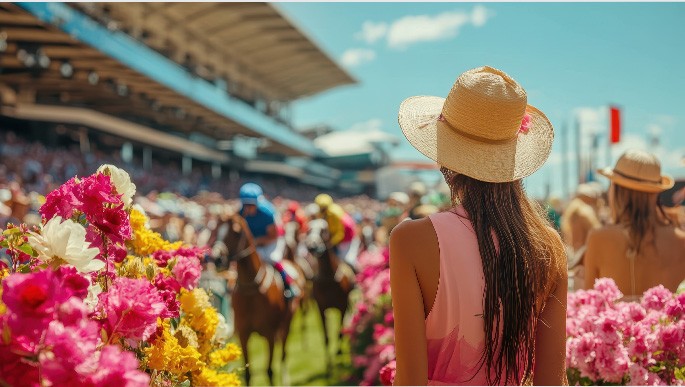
479	292
577	221
642	248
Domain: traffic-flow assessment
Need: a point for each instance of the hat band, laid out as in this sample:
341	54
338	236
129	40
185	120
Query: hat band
475	137
636	179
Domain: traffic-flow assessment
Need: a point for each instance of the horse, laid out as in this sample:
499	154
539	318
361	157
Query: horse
308	266
334	280
258	301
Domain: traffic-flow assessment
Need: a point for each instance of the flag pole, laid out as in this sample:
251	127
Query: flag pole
564	159
578	149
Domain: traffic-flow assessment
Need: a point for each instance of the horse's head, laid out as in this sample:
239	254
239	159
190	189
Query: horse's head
236	241
318	238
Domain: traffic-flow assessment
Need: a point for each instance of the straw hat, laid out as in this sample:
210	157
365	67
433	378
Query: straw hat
484	129
640	171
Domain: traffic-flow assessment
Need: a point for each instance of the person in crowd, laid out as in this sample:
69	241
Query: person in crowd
261	218
498	315
341	227
642	248
417	208
577	221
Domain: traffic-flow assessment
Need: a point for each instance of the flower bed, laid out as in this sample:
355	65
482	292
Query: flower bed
635	343
94	297
371	328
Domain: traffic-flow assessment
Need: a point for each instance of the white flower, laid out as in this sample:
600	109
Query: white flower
91	300
122	182
66	240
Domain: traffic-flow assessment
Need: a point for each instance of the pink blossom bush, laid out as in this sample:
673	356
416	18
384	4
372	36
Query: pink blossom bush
615	342
371	330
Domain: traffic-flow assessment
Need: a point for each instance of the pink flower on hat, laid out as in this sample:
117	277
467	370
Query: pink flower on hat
525	124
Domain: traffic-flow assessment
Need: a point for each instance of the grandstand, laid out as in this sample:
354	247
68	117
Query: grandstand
191	84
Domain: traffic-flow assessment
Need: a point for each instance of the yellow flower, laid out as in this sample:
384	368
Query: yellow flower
221	357
209	377
166	354
146	241
199	314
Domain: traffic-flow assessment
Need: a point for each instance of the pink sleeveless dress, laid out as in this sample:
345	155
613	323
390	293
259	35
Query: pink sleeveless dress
455	330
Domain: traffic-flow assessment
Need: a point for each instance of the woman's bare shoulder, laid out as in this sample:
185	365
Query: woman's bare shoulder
413	236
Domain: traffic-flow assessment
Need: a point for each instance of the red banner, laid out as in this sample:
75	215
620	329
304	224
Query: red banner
615	115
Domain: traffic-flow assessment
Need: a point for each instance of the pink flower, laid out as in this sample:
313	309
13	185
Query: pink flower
607	287
676	308
388	373
117	368
656	297
69	350
671	336
187	272
633	311
132	307
525	124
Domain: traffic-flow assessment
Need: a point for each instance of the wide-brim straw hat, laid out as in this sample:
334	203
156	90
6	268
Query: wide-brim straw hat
639	171
484	129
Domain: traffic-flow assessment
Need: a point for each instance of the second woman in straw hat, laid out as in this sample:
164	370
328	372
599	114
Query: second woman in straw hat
470	285
642	248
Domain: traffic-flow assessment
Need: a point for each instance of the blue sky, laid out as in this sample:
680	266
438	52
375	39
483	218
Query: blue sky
572	59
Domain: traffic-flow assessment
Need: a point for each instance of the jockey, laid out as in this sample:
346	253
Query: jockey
262	220
295	214
341	227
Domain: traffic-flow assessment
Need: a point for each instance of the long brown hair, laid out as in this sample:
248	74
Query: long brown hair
518	271
640	212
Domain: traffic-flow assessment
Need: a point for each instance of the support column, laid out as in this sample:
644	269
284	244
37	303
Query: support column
147	158
216	171
186	165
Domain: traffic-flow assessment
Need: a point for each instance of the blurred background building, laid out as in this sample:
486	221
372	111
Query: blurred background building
200	89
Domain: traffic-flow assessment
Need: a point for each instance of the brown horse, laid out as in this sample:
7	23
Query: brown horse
334	280
258	302
306	264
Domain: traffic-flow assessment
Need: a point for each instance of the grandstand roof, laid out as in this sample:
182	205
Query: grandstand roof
253	36
163	67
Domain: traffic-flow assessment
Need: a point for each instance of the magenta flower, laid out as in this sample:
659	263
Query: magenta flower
132	307
62	201
388	373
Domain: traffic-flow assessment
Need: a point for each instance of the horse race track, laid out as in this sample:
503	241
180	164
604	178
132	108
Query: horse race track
305	353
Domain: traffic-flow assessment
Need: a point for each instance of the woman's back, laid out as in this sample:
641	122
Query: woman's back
661	259
455	329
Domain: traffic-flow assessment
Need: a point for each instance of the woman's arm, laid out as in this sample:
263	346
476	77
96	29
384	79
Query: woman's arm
550	338
410	330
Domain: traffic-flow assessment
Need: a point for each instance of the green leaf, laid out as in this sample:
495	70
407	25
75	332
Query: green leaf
26	248
185	384
679	373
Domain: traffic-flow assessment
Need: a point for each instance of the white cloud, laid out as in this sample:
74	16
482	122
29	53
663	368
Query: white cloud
480	15
371	32
412	29
423	28
356	56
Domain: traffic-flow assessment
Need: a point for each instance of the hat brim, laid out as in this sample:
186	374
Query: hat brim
490	162
666	182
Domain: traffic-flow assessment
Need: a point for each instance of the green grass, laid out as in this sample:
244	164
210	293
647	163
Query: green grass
306	353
